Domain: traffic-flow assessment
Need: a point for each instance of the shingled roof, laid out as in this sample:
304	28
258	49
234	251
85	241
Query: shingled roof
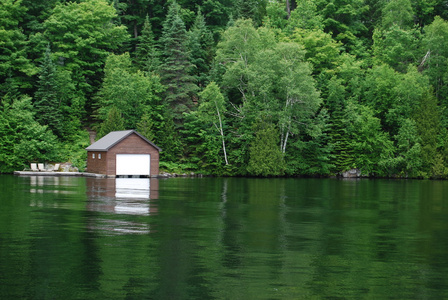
113	138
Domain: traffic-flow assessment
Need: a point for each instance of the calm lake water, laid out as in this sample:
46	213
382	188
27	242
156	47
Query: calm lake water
215	238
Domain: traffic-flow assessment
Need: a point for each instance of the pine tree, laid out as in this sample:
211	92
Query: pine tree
47	104
145	126
266	159
200	45
114	122
147	53
176	67
427	118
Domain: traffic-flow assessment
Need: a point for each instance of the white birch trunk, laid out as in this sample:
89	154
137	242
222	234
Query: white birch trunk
222	134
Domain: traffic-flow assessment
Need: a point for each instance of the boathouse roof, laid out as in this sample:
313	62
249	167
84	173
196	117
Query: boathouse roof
112	138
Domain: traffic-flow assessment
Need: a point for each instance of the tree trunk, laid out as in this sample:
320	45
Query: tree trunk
288	8
222	135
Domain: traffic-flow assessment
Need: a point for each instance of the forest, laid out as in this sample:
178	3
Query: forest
230	87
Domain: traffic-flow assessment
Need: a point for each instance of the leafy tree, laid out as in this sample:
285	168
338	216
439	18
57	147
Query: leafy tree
435	62
394	96
322	51
211	110
132	93
276	15
408	92
81	36
305	16
396	47
371	146
379	92
176	68
236	51
15	66
22	139
396	41
272	78
283	86
409	150
398	13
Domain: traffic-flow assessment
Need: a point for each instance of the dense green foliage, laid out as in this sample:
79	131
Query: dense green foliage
263	88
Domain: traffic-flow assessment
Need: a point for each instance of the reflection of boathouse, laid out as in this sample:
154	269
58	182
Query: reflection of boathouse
123	153
123	195
120	201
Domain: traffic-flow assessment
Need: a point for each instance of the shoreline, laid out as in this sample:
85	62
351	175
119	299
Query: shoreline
86	174
45	173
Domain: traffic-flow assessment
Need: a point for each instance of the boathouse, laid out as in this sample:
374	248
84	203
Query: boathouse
123	153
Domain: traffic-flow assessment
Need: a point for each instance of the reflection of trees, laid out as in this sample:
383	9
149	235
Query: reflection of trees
227	238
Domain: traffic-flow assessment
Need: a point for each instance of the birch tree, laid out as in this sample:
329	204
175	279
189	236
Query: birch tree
282	81
211	110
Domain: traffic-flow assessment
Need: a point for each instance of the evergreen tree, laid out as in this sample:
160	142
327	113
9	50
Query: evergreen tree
266	158
250	9
312	155
145	126
201	47
47	104
113	122
427	118
176	68
343	19
147	53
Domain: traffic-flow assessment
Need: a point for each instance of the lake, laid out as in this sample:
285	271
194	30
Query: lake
222	238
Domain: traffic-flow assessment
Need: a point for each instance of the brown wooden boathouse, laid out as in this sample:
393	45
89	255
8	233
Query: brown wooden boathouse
123	153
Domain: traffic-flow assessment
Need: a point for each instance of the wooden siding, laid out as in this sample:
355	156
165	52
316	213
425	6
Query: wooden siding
133	144
97	165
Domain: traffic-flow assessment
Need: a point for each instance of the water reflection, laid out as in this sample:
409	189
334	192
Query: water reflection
49	184
116	197
230	238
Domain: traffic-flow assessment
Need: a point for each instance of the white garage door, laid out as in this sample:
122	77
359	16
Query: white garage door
133	164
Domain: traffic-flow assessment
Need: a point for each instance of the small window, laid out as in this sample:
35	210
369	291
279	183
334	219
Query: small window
99	155
93	155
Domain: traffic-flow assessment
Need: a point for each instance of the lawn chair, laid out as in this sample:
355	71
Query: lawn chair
56	167
41	167
34	167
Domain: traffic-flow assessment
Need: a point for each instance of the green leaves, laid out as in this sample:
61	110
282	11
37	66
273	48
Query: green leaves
81	36
132	93
22	139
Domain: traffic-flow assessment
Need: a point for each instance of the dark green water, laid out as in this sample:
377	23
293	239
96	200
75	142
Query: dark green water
209	238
